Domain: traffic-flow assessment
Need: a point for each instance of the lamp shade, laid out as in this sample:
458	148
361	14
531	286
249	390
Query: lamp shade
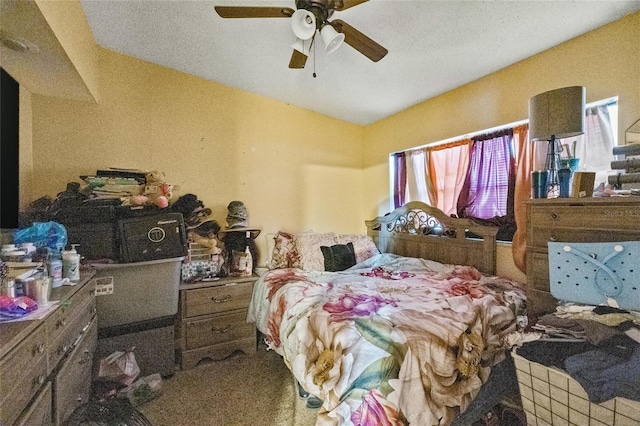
303	24
332	39
557	114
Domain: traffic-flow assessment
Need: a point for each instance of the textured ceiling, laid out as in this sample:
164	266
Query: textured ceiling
434	46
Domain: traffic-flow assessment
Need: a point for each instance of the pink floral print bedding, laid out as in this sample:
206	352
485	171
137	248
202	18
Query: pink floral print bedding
392	341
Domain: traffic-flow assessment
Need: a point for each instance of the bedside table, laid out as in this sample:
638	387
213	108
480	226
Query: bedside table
212	320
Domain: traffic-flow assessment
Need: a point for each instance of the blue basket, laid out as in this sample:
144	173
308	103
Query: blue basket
596	273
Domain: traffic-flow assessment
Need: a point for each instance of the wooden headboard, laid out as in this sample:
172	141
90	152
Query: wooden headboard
419	230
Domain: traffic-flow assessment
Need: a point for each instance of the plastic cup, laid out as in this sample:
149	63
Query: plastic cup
539	183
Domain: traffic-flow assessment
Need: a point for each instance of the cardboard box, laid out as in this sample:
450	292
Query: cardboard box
583	184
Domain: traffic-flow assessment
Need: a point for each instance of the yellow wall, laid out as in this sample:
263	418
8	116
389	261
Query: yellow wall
606	61
67	20
293	169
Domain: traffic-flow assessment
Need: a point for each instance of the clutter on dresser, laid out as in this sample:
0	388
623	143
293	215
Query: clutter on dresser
204	258
29	269
240	250
630	163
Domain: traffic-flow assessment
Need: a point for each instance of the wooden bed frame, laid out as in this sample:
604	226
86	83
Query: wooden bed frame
419	230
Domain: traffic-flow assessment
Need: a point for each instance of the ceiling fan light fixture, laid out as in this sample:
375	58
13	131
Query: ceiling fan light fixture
331	38
301	46
303	24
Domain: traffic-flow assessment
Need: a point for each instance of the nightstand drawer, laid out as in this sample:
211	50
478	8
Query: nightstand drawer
218	329
213	300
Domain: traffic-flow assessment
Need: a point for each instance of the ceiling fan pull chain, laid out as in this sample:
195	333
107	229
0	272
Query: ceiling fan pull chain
314	58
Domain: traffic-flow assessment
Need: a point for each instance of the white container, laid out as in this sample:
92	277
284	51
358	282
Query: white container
71	264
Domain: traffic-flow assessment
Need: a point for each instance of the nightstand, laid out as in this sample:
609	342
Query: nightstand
212	320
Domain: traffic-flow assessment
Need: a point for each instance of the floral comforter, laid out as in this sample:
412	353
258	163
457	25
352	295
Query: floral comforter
391	341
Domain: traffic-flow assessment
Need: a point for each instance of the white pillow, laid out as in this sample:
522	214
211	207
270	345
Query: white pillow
308	248
363	245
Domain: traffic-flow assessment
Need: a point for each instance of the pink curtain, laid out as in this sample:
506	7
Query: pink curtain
522	193
448	165
419	185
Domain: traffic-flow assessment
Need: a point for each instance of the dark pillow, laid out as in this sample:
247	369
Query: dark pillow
338	257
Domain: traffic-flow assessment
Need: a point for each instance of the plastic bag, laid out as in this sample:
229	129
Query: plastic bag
143	390
119	367
43	234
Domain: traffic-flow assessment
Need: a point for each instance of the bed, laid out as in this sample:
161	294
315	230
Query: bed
407	335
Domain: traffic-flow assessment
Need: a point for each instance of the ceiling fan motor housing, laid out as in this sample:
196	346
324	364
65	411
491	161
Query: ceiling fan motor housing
321	9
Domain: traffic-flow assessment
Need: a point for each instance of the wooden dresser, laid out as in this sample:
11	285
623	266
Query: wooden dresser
212	320
572	220
45	364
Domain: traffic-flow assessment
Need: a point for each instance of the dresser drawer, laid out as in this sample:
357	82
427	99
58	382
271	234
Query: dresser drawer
213	300
72	384
586	216
20	360
61	317
25	382
541	235
75	325
218	329
39	412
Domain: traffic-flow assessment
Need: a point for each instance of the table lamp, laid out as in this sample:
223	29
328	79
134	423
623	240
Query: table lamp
555	115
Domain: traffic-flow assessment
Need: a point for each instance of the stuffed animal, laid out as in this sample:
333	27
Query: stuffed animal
157	191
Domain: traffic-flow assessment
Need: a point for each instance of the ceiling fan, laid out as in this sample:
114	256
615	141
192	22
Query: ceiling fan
312	16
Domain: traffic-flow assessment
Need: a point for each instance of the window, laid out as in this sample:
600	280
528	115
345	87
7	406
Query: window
474	176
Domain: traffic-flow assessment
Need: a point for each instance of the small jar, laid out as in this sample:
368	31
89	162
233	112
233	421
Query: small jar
14	256
8	288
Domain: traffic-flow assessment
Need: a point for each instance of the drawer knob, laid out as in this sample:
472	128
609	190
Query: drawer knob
62	322
38	381
223	300
220	330
554	216
86	357
553	238
38	349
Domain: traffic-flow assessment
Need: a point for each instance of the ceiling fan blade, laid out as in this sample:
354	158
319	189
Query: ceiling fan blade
359	41
254	12
346	4
298	60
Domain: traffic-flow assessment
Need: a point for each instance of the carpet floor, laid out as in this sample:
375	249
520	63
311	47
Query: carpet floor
240	390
